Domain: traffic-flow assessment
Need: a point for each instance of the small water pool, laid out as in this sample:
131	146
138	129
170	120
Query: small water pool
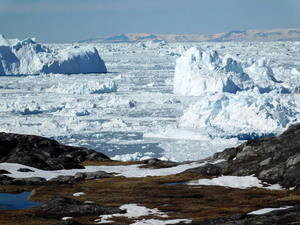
16	201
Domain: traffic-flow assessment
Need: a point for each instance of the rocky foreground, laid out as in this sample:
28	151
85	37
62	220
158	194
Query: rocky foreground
273	160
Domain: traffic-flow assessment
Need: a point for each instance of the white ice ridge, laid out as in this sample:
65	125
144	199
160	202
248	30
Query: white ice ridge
28	57
249	112
198	72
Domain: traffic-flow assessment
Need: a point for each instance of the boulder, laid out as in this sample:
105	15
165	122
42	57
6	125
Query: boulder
43	153
59	207
92	175
287	216
27	181
69	222
63	179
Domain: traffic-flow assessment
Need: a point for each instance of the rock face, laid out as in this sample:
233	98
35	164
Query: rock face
43	153
59	207
29	57
272	160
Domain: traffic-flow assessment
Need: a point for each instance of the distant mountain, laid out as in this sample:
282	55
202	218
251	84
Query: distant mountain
236	35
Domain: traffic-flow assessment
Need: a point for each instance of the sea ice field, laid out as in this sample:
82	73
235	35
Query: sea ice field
143	108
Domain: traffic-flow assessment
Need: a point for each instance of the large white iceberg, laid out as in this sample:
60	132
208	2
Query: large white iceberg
199	72
28	57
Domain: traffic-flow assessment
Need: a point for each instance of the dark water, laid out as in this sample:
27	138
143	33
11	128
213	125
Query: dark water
100	142
16	201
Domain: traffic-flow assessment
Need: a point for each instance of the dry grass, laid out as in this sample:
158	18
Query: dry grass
180	201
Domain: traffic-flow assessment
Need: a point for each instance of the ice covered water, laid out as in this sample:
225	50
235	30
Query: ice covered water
131	112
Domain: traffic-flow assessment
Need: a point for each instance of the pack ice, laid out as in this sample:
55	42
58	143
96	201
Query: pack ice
237	98
28	57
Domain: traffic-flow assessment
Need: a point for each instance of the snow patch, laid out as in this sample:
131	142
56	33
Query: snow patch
78	194
241	182
267	210
136	211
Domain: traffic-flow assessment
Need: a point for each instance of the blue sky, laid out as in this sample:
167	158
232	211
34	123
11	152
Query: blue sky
73	20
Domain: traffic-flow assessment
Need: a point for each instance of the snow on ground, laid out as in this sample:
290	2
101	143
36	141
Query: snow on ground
241	182
267	210
138	115
135	211
78	194
127	171
28	57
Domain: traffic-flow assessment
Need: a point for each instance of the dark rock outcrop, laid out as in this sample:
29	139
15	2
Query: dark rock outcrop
69	222
6	180
27	181
272	160
4	172
280	217
59	207
157	163
43	153
92	175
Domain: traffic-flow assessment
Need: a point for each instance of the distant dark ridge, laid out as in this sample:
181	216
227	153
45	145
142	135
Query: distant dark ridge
235	35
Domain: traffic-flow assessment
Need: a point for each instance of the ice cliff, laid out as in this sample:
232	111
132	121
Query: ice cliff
28	57
198	72
248	113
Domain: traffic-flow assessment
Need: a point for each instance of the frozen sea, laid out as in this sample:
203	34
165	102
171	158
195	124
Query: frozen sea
141	117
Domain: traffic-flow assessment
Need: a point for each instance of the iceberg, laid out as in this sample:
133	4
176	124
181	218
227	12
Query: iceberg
28	57
198	72
246	115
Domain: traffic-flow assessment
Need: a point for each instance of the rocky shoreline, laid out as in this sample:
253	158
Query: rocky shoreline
274	161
